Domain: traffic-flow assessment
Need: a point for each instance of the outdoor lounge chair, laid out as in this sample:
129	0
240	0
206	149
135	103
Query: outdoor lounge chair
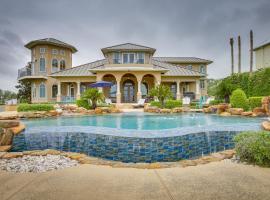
186	101
108	101
139	104
209	99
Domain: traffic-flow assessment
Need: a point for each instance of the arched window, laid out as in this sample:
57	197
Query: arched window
202	69
34	90
144	90
62	65
42	90
42	65
54	91
54	65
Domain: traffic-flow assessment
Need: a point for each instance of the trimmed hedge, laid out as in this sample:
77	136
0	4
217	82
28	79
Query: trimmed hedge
215	102
169	104
238	99
34	107
255	102
83	103
253	147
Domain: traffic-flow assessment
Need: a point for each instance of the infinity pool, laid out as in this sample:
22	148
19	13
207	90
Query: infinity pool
136	137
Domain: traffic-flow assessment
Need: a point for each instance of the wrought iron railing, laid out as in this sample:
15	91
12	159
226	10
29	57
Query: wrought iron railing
25	71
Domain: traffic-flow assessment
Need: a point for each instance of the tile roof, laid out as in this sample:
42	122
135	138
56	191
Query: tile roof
182	60
175	70
50	41
85	70
266	43
81	70
127	46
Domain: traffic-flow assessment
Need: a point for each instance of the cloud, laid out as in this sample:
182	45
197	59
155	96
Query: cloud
173	27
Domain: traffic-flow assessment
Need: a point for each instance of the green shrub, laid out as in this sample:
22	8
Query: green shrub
173	104
83	103
215	102
253	147
238	99
155	103
34	107
255	102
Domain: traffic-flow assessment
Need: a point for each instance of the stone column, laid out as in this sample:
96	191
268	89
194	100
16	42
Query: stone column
198	94
139	93
78	90
118	93
178	95
58	97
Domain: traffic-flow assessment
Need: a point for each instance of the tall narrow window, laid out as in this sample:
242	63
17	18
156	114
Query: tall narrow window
116	58
131	58
54	65
202	69
173	90
62	52
125	58
54	91
62	65
42	64
42	90
140	59
34	90
202	84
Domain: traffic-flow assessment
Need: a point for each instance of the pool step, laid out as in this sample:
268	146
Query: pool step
124	105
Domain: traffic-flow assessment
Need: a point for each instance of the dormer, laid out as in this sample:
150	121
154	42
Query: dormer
128	53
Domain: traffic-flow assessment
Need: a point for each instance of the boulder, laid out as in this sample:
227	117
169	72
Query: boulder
5	148
12	155
115	110
18	129
236	111
222	107
266	104
258	112
6	137
151	109
105	109
53	113
98	111
177	110
249	113
225	114
266	125
8	123
165	110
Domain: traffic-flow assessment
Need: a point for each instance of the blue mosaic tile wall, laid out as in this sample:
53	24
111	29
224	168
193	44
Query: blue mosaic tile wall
129	149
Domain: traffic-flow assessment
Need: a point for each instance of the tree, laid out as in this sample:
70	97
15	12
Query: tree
232	56
251	51
6	95
24	91
224	89
239	54
162	92
94	95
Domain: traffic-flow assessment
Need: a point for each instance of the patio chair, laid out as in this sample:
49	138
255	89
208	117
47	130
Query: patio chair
139	104
108	101
209	99
186	101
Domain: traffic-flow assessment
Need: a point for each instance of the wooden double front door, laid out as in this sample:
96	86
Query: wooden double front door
128	91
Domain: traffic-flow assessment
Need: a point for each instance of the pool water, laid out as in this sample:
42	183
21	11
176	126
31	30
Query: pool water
135	137
141	121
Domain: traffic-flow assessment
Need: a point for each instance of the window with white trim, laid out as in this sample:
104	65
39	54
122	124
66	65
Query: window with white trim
202	84
54	65
42	63
42	90
189	67
140	58
42	50
62	52
116	58
202	69
54	51
128	58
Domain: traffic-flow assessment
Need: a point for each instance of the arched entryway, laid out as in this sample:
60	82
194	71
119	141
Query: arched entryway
148	82
128	88
110	92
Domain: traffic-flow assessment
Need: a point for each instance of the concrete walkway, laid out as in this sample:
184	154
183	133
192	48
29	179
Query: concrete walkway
220	180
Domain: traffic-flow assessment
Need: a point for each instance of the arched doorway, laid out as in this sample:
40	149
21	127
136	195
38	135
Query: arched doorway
110	92
148	82
128	91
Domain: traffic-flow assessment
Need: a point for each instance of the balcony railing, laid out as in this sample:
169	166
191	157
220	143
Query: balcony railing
26	71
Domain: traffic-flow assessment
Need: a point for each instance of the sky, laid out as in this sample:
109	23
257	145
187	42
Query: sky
199	28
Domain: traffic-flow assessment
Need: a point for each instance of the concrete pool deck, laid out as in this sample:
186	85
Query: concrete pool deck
219	180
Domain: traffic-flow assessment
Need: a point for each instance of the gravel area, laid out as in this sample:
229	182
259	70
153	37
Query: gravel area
36	164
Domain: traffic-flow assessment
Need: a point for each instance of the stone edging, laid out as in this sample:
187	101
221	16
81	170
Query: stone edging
84	159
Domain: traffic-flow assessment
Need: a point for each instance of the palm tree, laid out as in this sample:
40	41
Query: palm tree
94	95
232	58
239	54
162	92
251	50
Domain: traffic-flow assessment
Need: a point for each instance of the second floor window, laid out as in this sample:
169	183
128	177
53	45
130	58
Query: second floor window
54	65
62	65
202	69
189	67
140	58
42	50
62	52
54	51
116	58
128	58
42	65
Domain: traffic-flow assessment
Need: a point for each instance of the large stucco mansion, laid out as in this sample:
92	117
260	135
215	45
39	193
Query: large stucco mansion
132	68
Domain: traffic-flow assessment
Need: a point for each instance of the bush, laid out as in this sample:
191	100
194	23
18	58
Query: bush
255	102
34	107
169	104
215	102
83	103
253	147
238	99
173	104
